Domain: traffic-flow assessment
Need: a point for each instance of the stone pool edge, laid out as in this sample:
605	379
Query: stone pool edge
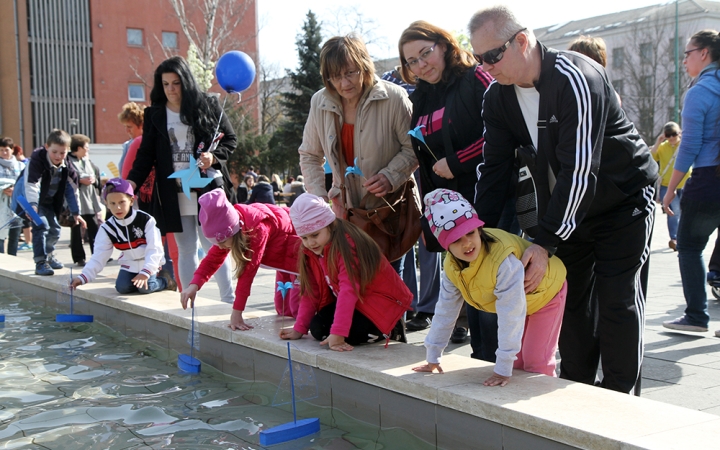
377	385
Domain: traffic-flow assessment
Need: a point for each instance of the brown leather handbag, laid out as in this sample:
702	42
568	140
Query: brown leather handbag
396	231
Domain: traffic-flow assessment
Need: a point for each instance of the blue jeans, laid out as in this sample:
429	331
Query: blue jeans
699	220
124	284
673	221
44	239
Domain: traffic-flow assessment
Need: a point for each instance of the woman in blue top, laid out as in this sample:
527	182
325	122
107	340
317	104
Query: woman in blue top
700	148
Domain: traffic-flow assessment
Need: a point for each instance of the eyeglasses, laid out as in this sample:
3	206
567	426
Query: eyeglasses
687	52
670	135
495	55
350	76
412	63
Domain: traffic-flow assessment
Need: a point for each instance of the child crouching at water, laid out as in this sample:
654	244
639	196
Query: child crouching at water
256	234
134	233
483	268
350	293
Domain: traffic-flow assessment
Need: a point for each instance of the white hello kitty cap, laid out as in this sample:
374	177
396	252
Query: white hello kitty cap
450	216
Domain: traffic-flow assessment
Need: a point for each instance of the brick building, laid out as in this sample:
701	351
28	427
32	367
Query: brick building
73	63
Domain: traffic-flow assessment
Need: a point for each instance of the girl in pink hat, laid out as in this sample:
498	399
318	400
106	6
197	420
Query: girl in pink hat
254	234
483	268
350	293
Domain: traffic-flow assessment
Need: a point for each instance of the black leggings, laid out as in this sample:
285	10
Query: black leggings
362	330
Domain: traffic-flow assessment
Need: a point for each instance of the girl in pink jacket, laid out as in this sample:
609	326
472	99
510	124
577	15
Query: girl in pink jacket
256	234
350	293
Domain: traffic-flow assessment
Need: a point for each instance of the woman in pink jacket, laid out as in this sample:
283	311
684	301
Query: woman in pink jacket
256	234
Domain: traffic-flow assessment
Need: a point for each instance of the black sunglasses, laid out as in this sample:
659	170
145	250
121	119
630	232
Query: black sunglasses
495	55
669	135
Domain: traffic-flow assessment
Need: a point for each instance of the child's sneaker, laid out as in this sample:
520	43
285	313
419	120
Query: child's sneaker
54	263
171	284
44	269
24	247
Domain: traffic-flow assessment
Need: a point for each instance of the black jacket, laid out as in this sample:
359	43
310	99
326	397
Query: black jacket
594	151
38	175
155	152
457	103
262	193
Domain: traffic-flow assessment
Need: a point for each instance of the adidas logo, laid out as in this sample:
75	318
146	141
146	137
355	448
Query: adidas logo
636	212
553	119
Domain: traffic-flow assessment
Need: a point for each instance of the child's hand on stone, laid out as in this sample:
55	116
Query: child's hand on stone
290	334
140	281
497	380
337	343
429	367
237	322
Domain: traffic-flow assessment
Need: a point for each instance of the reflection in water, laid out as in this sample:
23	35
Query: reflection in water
83	386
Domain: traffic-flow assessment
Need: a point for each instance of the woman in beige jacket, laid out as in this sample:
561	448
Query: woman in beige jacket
357	119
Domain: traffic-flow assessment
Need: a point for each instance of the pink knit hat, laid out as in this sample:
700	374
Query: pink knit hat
218	218
450	216
309	213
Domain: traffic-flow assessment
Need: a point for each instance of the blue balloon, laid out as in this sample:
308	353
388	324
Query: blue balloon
235	71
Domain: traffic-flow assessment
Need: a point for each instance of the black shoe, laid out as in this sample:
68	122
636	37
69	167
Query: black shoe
54	263
459	335
398	332
421	321
81	263
44	269
171	284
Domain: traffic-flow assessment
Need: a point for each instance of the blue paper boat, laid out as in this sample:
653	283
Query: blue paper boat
289	431
73	318
188	364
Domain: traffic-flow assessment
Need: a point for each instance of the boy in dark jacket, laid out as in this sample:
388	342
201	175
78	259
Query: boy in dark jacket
49	182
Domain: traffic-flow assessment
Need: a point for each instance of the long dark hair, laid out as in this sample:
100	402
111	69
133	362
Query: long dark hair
195	109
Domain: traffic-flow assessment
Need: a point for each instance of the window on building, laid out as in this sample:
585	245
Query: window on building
136	92
671	114
169	39
646	53
134	36
671	49
646	86
618	85
618	56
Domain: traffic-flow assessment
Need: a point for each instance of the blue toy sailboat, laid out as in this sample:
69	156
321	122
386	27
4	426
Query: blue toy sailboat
188	363
72	317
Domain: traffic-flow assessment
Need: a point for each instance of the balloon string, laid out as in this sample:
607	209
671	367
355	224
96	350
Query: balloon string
222	111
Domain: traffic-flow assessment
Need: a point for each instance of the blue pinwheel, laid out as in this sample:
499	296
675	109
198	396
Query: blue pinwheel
284	287
355	170
417	134
190	177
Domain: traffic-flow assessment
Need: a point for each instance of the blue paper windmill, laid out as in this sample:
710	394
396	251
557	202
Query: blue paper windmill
417	134
355	170
190	177
284	287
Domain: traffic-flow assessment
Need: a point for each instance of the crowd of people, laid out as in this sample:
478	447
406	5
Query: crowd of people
529	175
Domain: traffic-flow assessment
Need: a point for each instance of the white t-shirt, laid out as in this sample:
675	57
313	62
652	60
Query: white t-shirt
182	141
529	100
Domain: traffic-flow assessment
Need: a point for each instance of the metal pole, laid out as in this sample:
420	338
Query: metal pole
677	66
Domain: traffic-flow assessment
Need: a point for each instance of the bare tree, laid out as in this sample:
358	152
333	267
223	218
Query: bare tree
349	19
647	75
271	85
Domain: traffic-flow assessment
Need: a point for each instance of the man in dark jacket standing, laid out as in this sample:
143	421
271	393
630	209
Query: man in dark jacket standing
593	177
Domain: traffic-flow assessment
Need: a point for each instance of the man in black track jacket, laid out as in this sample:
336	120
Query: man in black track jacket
593	177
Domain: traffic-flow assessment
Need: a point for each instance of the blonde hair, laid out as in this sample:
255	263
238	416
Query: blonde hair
362	261
592	47
240	251
133	113
341	51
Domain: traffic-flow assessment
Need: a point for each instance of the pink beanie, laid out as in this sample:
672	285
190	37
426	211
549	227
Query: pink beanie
310	213
450	216
218	218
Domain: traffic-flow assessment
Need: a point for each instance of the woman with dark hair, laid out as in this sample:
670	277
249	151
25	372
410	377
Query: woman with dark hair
447	106
357	119
700	203
180	125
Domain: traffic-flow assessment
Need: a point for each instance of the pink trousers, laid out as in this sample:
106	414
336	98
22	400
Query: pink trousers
290	304
540	338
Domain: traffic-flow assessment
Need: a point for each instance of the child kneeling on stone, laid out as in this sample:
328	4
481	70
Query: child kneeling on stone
135	234
483	268
350	294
